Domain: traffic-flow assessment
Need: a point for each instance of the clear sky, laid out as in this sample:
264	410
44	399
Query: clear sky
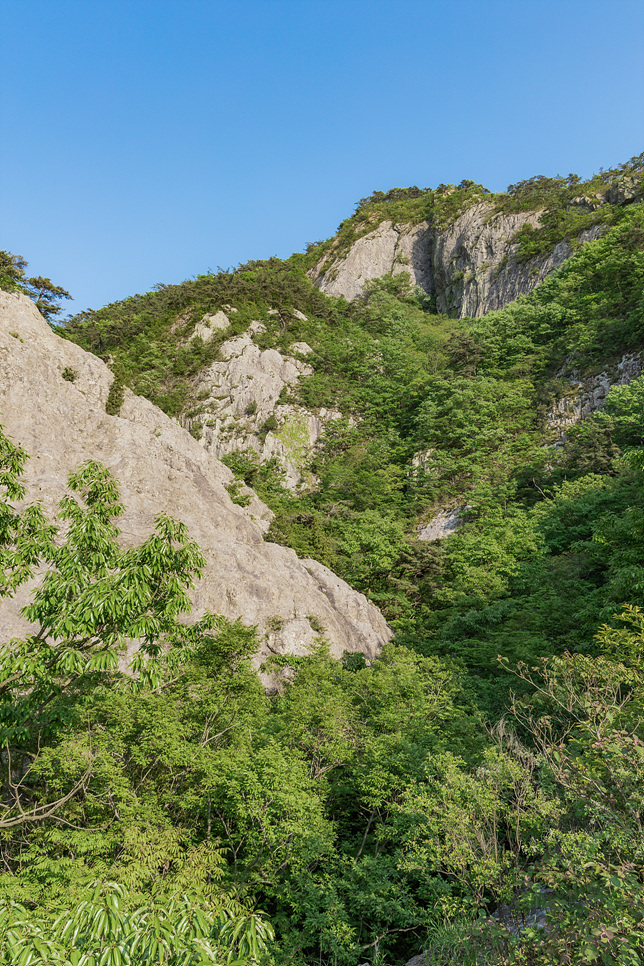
148	141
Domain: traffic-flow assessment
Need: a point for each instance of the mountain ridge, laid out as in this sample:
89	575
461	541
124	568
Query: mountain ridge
481	773
471	251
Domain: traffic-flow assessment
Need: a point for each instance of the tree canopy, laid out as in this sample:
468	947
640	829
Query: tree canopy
43	291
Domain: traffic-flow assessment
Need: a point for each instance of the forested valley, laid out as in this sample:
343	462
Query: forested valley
484	775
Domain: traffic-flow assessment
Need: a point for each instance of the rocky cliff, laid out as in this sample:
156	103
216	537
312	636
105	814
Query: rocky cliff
52	402
239	402
579	395
474	265
470	266
388	249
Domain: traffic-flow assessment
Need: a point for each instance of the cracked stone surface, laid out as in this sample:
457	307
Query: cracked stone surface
388	249
588	394
475	270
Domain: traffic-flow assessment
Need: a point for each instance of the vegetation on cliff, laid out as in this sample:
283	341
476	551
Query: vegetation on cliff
369	811
569	204
46	295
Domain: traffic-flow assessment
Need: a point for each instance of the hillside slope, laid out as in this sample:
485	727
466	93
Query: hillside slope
486	771
52	401
424	424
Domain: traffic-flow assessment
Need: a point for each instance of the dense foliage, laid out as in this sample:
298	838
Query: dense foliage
489	764
365	808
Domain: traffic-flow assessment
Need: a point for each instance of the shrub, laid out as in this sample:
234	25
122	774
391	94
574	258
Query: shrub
115	397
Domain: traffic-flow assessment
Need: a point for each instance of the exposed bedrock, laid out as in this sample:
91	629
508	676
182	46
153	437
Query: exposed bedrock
61	422
469	267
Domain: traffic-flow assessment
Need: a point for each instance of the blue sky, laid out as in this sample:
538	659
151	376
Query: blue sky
147	141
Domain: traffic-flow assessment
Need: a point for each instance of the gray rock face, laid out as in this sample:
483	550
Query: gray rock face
206	327
475	270
469	267
469	257
586	395
625	191
442	525
240	391
585	203
389	249
159	466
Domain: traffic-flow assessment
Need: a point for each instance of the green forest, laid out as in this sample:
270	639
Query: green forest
489	764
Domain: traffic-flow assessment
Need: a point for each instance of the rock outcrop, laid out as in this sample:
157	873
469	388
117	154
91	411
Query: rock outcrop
206	327
52	402
444	524
389	249
625	191
586	394
474	265
469	268
239	404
